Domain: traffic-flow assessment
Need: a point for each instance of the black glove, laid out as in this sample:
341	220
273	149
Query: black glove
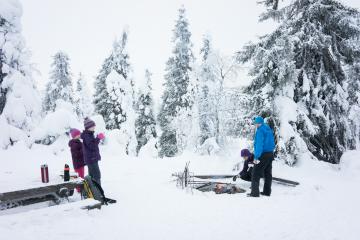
235	177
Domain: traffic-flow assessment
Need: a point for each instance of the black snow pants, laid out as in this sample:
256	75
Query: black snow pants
264	168
247	175
94	172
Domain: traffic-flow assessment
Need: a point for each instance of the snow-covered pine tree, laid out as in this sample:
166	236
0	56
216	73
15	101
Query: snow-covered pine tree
353	76
208	91
299	81
20	103
83	99
145	124
60	83
271	3
101	97
113	95
177	99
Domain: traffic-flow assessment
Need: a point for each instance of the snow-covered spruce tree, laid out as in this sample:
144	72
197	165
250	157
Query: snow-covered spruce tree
83	99
101	98
121	104
177	99
299	81
114	93
20	104
207	94
60	83
145	124
354	100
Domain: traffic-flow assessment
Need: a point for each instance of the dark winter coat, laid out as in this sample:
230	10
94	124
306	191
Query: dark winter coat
76	148
244	171
91	147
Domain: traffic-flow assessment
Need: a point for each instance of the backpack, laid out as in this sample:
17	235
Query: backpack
92	189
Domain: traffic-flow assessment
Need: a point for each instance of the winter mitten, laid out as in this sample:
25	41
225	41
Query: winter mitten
101	136
235	177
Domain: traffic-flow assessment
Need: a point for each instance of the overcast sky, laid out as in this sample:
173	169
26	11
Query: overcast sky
86	29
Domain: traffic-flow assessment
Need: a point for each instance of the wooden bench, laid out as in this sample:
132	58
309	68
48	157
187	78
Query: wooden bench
48	192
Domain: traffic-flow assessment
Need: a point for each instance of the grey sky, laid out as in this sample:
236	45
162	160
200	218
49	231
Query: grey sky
85	29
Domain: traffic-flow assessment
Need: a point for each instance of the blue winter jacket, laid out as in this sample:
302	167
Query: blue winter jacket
264	141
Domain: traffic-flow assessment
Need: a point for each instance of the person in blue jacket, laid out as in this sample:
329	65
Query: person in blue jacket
264	145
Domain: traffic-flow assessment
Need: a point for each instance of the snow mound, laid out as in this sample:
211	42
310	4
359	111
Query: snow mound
56	124
20	100
116	138
350	162
149	149
209	147
9	133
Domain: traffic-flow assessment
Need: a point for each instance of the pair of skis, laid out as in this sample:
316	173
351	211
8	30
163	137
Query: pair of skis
206	183
275	179
187	179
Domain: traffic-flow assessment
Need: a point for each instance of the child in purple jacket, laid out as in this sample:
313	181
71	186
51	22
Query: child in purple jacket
76	148
91	149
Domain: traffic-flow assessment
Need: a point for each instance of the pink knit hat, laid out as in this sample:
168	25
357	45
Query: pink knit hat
74	132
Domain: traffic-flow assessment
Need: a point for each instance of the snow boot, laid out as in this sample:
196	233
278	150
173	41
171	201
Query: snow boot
264	194
250	195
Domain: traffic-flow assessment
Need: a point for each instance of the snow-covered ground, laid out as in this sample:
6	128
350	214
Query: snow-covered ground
150	206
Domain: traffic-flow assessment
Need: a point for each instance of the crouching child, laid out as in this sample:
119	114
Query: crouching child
246	172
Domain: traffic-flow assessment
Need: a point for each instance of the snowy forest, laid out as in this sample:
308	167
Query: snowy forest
303	79
305	82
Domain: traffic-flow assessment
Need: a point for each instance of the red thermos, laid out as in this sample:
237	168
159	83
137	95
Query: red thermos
44	173
66	173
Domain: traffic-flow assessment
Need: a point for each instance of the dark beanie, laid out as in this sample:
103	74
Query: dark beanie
245	153
88	123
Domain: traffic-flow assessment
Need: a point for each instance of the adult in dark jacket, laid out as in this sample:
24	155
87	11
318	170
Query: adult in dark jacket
264	145
91	149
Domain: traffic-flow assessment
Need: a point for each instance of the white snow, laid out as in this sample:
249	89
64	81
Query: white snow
57	123
324	206
150	206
